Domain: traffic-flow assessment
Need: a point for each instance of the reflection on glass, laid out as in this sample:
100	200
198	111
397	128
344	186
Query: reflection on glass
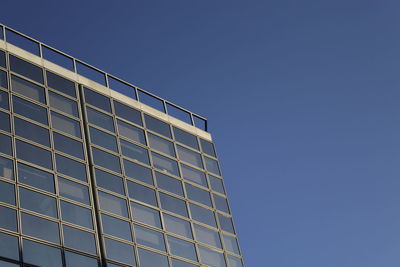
230	244
80	240
3	79
76	214
116	227
186	138
63	104
28	89
226	223
36	133
7	193
65	124
134	152
177	226
169	184
68	145
127	113
173	204
182	248
98	100
138	172
4	100
9	247
161	144
207	236
202	215
157	126
129	131
29	110
26	69
8	219
150	238
194	175
207	147
152	259
216	184
5	144
178	263
4	122
75	260
106	160
100	119
221	203
199	195
103	139
189	156
120	251
40	228
71	168
61	84
146	215
165	164
211	257
37	202
234	262
6	168
41	255
34	154
109	181
74	191
113	204
212	166
142	193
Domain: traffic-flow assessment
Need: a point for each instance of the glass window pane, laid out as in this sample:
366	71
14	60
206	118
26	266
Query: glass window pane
66	125
182	248
5	144
142	193
157	126
221	203
27	69
145	215
38	202
178	263
120	252
165	164
169	184
113	204
2	53
127	113
29	110
40	228
186	138
36	133
68	145
6	168
134	152
61	84
75	260
216	184
9	247
161	144
177	226
189	156
116	227
63	104
100	119
28	89
36	178
76	214
74	191
150	238
3	79
234	262
103	139
98	100
71	168
41	255
199	195
173	204
80	240
109	181
207	147
194	175
152	259
4	100
211	257
226	223
7	193
34	154
207	236
202	215
4	122
230	244
106	160
212	166
8	219
138	172
131	132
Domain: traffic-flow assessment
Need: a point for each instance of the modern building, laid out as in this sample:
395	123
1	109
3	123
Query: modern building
95	171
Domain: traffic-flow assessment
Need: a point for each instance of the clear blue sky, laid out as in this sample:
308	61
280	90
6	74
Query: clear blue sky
303	100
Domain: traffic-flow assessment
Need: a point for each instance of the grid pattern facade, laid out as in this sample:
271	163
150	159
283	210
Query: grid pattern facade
87	180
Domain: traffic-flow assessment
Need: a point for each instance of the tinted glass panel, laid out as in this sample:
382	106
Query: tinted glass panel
103	139
212	166
113	204
6	168
71	168
178	263
165	164
234	262
6	263
74	191
75	260
7	193
161	144
40	228
100	119
177	226
211	257
9	247
109	181
106	160
199	195
221	203
216	184
231	244
150	238
65	124
127	113
120	252
182	248
202	215
131	132
207	236
138	172
41	255
2	53
173	204
186	138
207	147
36	133
190	156
28	89
34	154
226	223
97	100
61	84
4	122
116	227
36	178
76	214
78	239
63	104
194	175
8	219
4	100
5	144
68	145
29	110
145	215
27	69
169	184
151	259
134	152
37	202
3	79
157	126
142	193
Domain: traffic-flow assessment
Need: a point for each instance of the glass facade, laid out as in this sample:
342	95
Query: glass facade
88	180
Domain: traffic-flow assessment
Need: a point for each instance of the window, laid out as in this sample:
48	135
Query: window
221	203
177	226
34	154
230	244
145	215
203	215
199	195
211	257
116	227
35	177
234	262
4	100
134	152
186	138
157	126
40	228
2	53
226	223
5	146
66	125
9	247
142	193
128	113
182	248
189	156
98	100
27	69
74	260
6	168
113	204
109	181
8	219
165	164
138	172
207	236
119	251
3	79
74	191
216	184
76	214
7	193
28	89
207	147
63	104
152	259
161	144
194	175
4	122
78	239
68	145
178	263
173	204
29	110
106	160
212	166
169	184
100	119
38	202
150	238
61	84
131	132
71	168
36	133
103	139
41	255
